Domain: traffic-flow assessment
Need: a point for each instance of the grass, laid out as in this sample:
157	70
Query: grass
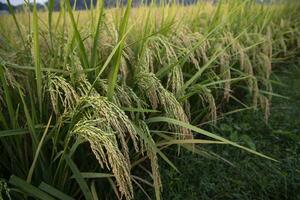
90	101
250	177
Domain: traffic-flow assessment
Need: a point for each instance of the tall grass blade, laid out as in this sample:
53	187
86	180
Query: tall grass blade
100	10
50	14
12	12
82	51
37	57
13	132
8	99
80	180
39	147
29	189
204	132
54	192
112	79
109	58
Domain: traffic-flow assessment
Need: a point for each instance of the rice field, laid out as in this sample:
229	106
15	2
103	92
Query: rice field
90	100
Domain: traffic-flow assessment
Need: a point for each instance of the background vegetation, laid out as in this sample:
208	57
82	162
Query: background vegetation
92	102
248	177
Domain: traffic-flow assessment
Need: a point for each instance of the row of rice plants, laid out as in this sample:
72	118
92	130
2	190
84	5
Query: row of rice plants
89	99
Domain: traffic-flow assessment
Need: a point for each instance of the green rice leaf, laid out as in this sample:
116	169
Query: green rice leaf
36	56
112	79
13	132
94	175
39	147
83	54
54	192
29	189
100	9
80	180
204	132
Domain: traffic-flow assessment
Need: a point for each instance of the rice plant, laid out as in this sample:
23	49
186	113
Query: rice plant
90	99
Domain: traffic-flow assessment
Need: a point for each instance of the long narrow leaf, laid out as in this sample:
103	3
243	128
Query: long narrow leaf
29	189
30	173
112	80
204	132
79	40
37	57
13	132
54	192
100	9
80	180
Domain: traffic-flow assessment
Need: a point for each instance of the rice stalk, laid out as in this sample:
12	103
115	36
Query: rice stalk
104	145
158	95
